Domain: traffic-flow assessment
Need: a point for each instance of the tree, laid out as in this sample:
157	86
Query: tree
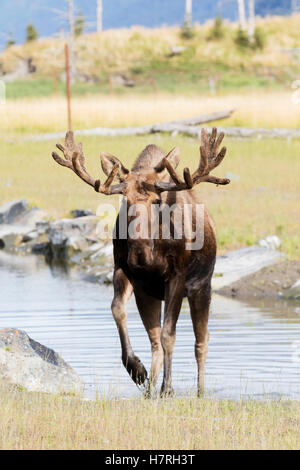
31	33
11	40
188	13
251	29
79	24
217	31
99	16
242	14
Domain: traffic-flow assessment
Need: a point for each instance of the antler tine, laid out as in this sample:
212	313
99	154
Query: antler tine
74	160
209	159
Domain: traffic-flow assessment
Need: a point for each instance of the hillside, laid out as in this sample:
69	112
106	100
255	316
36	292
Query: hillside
16	14
143	56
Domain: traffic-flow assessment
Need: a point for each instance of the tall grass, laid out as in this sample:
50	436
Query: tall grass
37	421
42	115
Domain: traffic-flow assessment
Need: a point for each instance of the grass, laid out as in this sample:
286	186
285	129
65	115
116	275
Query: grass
39	421
262	199
144	55
43	115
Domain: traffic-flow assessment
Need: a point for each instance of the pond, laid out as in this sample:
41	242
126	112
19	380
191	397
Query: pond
254	347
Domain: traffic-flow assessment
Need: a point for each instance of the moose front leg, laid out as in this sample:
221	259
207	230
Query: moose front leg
150	312
122	292
173	302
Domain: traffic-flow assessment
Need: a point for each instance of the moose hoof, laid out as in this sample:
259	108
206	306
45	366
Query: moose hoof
135	369
166	392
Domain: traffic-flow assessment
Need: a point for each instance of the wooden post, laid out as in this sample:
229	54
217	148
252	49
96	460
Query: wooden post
68	86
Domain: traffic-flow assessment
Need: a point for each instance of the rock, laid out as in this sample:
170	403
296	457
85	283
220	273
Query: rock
11	211
272	242
28	364
81	213
240	263
293	292
121	79
176	50
68	236
32	217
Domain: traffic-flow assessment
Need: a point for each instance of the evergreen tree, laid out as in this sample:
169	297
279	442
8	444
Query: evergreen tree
11	40
79	24
31	33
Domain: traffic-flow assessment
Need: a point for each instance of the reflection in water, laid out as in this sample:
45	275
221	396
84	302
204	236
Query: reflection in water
253	346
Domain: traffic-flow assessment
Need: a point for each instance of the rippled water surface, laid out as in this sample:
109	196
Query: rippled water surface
254	348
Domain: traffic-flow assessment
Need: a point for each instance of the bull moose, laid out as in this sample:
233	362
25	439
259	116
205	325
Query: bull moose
158	269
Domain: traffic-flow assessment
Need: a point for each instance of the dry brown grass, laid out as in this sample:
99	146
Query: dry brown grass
257	109
36	421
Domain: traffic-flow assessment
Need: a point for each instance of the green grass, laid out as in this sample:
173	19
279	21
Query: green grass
262	199
40	421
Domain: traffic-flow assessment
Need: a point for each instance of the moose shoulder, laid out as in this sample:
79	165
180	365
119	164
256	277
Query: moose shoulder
170	257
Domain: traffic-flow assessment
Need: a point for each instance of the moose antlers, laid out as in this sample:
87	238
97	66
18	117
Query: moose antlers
210	159
75	161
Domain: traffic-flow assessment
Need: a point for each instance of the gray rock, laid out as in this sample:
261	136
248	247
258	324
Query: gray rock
28	364
32	217
240	263
11	211
293	292
68	236
272	242
81	213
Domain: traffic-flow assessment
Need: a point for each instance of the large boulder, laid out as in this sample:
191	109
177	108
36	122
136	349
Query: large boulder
11	211
68	236
34	367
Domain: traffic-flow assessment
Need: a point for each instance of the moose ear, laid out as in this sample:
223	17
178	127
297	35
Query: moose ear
173	157
108	161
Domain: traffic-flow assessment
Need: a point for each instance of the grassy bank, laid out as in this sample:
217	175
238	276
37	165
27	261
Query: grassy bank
262	199
36	421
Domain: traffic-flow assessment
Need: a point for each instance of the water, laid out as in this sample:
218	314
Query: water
253	348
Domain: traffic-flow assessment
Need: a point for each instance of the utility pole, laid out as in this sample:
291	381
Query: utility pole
71	40
99	16
188	12
242	14
251	8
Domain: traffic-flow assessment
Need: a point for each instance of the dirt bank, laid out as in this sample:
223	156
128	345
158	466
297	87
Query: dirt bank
272	281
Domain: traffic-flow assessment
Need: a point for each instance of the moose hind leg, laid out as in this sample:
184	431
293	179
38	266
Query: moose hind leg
122	292
199	305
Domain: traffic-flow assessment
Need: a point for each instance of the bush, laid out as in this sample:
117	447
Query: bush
217	31
259	39
31	33
10	41
187	30
79	24
242	39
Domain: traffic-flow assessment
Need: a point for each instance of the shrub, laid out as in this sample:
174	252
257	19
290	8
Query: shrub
31	33
187	30
259	39
79	24
10	41
242	39
217	31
